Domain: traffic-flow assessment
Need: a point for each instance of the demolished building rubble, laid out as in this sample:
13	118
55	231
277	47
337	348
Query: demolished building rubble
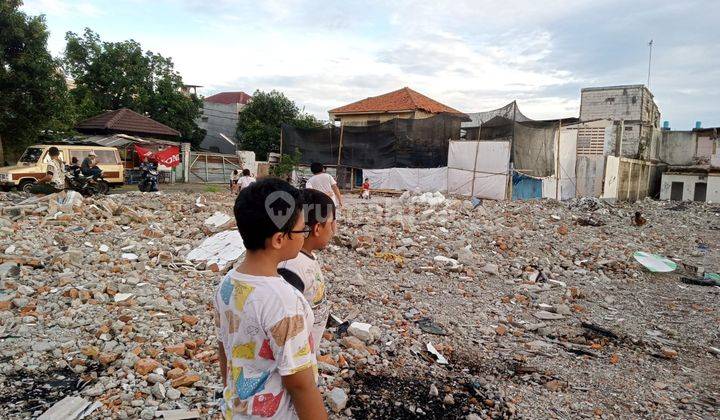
440	308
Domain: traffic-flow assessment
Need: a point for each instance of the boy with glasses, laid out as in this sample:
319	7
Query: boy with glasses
265	340
303	271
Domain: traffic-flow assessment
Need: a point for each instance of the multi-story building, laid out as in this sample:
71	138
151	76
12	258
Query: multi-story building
220	118
633	111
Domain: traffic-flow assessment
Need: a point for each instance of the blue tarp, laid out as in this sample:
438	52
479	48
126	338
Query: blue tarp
526	187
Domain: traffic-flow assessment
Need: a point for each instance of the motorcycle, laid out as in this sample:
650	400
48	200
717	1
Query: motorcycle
87	185
149	182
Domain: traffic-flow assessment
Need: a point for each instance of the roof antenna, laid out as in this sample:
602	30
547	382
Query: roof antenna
650	44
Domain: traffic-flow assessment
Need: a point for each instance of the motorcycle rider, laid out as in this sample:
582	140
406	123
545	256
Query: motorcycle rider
89	165
54	179
74	168
146	167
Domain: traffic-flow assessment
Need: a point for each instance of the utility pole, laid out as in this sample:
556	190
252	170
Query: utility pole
650	44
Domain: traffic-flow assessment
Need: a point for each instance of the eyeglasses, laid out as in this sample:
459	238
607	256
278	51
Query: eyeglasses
305	231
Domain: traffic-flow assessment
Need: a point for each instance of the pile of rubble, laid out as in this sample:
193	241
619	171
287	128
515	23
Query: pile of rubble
441	308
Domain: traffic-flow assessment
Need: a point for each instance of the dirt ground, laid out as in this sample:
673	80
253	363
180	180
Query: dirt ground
539	307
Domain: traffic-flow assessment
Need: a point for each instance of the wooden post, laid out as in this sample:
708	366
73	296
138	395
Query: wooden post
207	176
342	129
557	163
472	187
281	144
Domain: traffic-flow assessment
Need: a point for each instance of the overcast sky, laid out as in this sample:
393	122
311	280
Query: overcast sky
471	55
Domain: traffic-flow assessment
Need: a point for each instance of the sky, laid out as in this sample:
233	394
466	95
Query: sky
471	55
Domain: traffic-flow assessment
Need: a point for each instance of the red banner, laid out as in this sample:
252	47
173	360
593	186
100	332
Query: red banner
169	157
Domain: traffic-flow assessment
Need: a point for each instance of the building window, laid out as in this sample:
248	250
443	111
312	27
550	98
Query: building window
610	100
634	99
628	129
591	141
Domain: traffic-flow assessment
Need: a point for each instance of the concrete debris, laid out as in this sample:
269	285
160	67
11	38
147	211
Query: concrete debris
363	331
528	309
70	408
221	250
219	221
430	199
337	399
180	414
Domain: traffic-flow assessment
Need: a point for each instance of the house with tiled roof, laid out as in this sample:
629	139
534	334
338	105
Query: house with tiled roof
403	103
126	121
219	119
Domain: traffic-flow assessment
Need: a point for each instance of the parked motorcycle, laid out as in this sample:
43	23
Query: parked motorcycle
149	181
87	185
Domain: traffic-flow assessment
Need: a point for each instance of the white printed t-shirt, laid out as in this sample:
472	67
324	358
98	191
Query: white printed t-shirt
323	182
264	325
245	181
306	269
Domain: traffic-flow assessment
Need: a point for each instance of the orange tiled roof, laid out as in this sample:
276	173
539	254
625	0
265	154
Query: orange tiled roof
404	99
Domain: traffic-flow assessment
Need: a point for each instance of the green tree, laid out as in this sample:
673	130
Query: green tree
259	122
112	75
33	93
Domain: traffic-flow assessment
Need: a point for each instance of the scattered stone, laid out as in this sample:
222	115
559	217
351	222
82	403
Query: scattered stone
668	353
364	332
337	399
547	316
145	366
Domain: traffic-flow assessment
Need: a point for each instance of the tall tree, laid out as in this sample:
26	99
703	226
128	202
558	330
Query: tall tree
33	93
112	75
259	122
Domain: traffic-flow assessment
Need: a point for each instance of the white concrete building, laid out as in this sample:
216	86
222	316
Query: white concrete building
691	186
219	118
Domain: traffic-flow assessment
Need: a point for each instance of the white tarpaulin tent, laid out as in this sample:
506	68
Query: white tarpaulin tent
410	179
479	169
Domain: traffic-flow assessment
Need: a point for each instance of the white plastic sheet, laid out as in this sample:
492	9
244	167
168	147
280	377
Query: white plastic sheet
408	179
222	249
568	179
488	172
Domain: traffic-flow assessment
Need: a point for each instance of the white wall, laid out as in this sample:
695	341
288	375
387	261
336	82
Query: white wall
689	181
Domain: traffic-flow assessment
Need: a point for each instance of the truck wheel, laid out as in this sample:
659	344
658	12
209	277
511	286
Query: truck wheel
26	185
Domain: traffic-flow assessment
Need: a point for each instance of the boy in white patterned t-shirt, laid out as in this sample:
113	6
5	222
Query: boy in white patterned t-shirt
265	344
303	271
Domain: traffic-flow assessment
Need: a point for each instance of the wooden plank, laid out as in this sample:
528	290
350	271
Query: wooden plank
67	408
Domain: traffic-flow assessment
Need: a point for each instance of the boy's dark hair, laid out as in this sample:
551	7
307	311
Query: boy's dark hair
316	168
246	172
73	160
53	151
318	207
253	220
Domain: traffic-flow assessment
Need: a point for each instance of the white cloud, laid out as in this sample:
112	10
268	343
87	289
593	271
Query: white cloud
470	54
61	8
